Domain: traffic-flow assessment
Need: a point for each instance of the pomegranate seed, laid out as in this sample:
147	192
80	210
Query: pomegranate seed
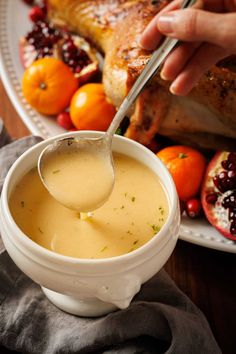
43	37
232	157
225	181
225	164
229	201
193	208
216	181
232	215
29	2
231	174
232	166
43	7
211	198
71	47
64	120
233	228
71	63
36	14
222	175
78	69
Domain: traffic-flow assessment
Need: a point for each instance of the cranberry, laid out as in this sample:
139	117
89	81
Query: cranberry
64	120
211	198
36	14
193	208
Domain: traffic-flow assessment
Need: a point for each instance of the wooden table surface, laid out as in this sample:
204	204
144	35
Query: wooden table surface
207	276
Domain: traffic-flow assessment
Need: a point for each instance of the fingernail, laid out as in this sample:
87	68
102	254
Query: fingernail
163	76
165	23
172	89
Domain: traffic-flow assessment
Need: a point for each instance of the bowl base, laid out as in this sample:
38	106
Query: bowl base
84	308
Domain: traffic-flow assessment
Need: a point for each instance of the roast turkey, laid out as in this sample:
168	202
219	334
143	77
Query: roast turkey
206	118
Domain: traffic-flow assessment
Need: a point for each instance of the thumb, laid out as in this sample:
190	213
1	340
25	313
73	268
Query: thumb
197	25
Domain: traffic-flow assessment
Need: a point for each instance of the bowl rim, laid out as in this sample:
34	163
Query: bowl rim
33	246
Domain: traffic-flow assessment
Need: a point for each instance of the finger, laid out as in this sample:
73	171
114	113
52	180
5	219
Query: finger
206	56
177	60
198	25
151	36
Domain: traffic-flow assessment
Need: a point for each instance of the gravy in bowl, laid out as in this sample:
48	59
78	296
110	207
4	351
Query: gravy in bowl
134	213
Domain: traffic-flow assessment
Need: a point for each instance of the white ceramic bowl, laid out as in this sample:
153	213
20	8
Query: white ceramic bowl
90	287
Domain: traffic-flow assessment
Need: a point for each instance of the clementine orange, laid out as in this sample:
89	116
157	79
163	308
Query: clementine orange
187	167
48	85
90	109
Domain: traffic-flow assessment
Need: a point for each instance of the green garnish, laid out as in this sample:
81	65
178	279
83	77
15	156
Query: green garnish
119	131
155	228
161	209
103	249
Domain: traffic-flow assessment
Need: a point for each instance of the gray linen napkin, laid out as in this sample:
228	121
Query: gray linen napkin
160	319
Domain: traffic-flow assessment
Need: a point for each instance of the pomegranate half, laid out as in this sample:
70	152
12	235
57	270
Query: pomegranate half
44	40
218	193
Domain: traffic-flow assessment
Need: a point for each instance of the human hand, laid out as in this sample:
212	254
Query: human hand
208	32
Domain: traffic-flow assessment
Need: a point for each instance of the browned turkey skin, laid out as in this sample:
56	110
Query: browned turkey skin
206	118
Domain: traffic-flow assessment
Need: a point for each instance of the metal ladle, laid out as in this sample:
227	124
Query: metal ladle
103	143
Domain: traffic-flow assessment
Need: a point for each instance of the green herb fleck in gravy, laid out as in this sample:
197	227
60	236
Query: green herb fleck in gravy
104	249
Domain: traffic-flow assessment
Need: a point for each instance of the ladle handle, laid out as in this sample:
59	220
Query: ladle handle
148	72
